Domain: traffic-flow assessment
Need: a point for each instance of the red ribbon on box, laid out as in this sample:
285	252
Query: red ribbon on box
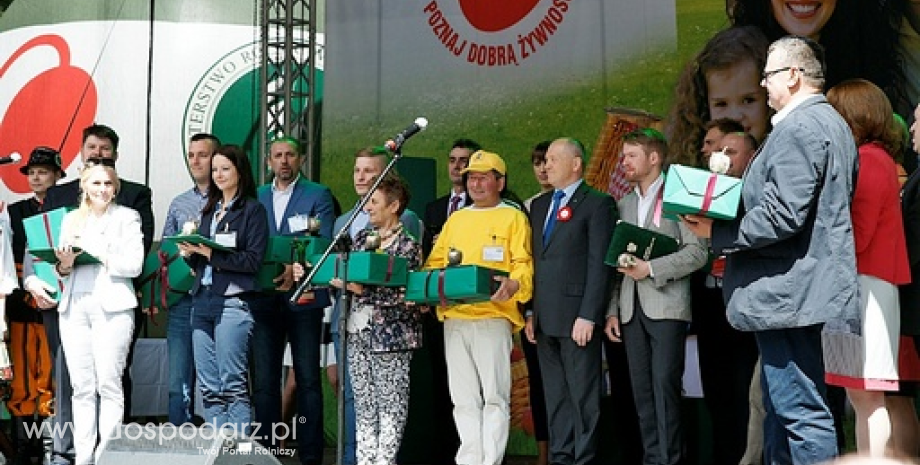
442	295
390	261
161	275
707	197
47	229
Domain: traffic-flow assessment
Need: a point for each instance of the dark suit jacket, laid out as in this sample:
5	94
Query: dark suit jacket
910	293
132	195
309	199
247	217
570	277
790	257
435	217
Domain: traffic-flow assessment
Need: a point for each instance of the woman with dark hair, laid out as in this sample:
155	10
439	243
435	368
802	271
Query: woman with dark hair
860	37
225	287
722	81
867	365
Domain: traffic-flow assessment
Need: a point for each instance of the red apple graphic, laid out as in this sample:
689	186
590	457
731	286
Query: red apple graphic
51	109
496	15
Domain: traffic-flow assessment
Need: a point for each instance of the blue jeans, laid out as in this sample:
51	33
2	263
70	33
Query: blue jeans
221	331
181	363
277	320
798	427
349	444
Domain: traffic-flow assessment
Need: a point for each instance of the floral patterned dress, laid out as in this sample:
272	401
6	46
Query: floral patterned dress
382	332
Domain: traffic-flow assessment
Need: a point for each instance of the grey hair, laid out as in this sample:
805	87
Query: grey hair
803	54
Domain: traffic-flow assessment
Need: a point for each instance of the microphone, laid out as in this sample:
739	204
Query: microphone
395	143
14	157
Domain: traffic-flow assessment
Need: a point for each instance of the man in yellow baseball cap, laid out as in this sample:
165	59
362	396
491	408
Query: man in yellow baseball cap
477	336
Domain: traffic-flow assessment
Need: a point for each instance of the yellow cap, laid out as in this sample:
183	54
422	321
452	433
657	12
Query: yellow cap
483	162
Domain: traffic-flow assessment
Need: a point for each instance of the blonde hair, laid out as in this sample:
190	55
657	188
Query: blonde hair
83	208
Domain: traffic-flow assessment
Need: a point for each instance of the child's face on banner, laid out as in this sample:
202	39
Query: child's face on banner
736	93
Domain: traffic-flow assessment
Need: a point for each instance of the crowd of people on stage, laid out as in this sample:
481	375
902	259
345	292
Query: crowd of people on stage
807	298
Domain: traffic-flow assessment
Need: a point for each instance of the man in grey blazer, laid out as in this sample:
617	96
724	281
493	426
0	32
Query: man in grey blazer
791	265
571	227
652	305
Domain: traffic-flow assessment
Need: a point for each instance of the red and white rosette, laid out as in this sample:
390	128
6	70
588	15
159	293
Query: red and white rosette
564	214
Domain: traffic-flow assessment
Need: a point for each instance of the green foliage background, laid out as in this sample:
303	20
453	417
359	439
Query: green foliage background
574	109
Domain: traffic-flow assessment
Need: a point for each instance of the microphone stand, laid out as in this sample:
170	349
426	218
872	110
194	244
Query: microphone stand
342	241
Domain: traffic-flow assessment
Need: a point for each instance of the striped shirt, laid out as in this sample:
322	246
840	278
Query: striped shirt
186	206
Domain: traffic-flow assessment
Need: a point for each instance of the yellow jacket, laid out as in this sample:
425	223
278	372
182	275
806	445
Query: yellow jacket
504	233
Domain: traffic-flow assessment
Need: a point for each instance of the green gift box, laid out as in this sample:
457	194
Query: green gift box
196	239
453	285
48	256
44	230
286	249
45	272
700	192
638	242
365	268
266	275
165	278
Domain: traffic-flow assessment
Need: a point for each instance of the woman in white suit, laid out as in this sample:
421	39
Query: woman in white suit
96	308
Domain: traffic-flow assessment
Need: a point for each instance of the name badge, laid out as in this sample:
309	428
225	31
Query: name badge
493	253
298	223
226	239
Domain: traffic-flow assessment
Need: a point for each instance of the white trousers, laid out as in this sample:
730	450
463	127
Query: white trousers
479	374
96	346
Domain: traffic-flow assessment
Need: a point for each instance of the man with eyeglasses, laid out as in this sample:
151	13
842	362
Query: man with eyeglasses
790	258
100	146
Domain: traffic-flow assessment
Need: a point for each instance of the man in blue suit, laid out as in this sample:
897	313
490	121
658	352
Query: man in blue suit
289	201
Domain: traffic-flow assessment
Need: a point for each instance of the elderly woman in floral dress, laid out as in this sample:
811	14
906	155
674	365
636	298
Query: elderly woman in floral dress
382	331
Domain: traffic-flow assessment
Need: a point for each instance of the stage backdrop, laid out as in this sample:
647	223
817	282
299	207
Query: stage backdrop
508	74
156	72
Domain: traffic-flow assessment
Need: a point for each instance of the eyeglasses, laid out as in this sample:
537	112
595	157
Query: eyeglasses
93	161
768	74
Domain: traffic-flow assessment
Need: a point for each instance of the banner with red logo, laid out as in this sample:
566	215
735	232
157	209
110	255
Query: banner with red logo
507	74
155	82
